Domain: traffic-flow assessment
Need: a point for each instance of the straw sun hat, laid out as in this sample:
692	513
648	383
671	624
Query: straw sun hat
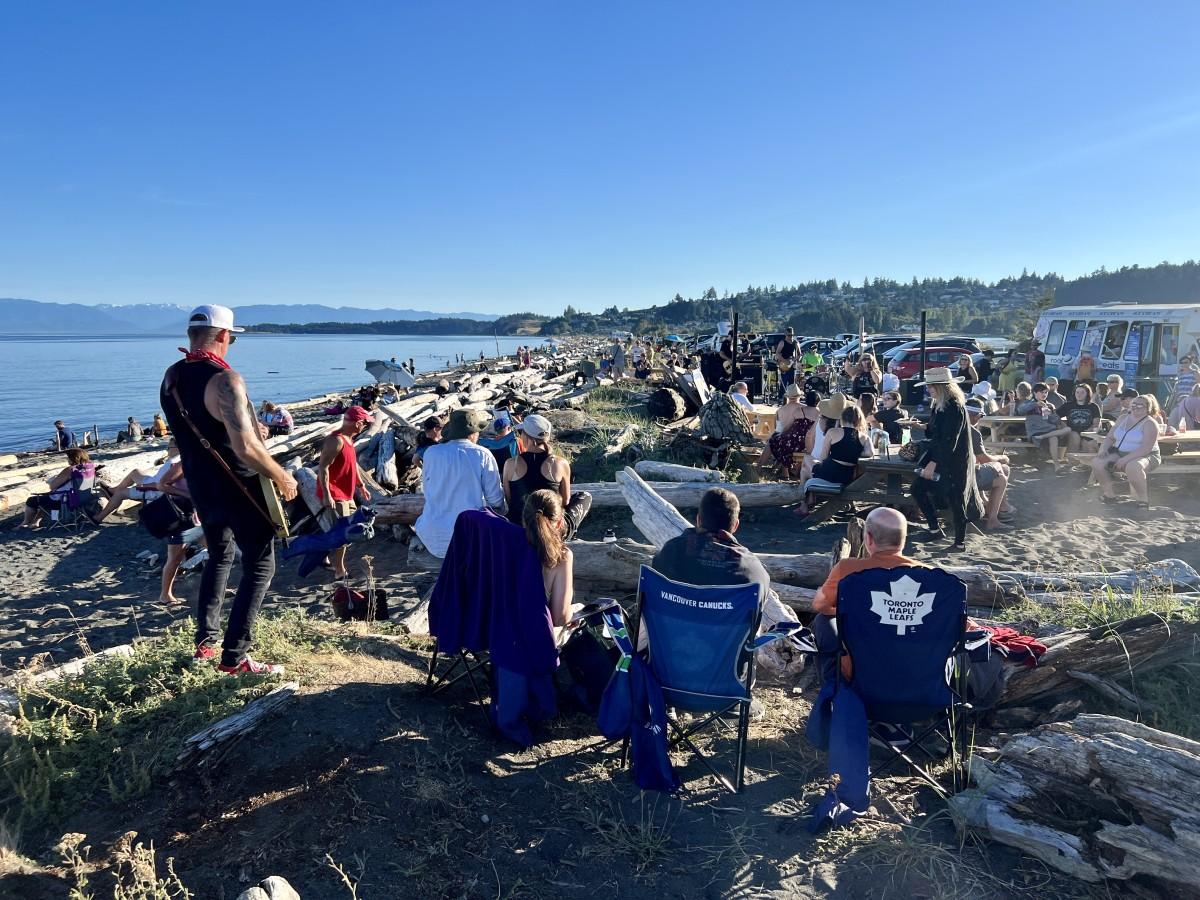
938	375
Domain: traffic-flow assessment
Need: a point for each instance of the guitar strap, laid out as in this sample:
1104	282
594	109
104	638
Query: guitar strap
173	389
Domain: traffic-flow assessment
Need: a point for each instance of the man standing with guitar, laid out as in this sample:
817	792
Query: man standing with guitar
785	358
222	451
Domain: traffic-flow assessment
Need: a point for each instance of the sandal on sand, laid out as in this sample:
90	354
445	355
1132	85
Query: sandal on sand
1105	498
957	548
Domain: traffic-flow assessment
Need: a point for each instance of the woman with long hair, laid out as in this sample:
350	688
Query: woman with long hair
545	528
947	469
869	379
537	468
843	446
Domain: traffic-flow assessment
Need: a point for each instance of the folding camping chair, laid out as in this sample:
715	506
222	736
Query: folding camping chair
701	647
904	630
77	502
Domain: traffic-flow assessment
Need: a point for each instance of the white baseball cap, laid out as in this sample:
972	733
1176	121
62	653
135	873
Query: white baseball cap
537	427
212	316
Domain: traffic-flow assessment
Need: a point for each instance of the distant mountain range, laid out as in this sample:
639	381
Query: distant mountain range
36	317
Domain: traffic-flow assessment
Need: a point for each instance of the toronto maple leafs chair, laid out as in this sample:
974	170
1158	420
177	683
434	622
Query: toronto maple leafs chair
904	632
701	646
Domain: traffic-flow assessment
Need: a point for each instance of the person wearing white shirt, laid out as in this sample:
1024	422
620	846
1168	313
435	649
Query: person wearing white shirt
458	475
739	391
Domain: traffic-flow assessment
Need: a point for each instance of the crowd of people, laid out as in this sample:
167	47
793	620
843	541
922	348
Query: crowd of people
828	425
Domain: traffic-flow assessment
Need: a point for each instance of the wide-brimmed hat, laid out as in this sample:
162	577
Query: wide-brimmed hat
464	423
939	375
834	405
985	390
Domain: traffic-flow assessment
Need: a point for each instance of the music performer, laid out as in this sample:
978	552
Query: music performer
729	369
205	402
340	480
785	359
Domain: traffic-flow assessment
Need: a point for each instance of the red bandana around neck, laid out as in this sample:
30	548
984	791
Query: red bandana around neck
199	355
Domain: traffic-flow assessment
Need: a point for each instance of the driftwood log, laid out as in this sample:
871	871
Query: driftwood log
1098	797
619	442
198	747
1133	645
664	471
11	686
405	508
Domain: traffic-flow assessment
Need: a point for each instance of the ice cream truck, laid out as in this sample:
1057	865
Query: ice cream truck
1141	342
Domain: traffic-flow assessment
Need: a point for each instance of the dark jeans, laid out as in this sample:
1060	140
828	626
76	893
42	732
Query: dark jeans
927	495
785	379
576	511
240	524
824	629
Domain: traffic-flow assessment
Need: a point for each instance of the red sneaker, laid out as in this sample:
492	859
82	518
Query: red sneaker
205	653
249	667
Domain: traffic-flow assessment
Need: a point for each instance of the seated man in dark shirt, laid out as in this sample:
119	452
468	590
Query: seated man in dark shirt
709	554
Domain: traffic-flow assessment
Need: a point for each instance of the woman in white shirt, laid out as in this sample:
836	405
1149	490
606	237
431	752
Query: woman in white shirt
1130	447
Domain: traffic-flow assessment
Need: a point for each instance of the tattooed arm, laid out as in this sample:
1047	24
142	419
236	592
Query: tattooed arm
225	399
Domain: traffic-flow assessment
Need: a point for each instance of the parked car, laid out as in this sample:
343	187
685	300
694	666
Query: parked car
879	344
907	363
966	344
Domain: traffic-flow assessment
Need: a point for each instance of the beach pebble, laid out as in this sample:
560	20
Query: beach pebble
273	888
485	818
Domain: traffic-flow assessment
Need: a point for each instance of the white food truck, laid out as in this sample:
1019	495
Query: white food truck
1139	341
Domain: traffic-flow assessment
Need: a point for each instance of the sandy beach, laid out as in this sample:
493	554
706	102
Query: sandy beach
63	589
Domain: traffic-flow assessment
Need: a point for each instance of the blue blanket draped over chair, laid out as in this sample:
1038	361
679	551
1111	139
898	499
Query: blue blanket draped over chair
490	596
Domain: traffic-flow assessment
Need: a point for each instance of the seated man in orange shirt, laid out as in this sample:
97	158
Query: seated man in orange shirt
883	536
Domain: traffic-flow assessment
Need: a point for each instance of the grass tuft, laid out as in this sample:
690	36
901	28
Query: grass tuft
119	725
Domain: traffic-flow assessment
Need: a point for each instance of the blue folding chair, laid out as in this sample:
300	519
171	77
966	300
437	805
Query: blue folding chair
701	648
904	630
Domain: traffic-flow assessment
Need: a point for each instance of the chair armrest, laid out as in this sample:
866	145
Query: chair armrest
800	636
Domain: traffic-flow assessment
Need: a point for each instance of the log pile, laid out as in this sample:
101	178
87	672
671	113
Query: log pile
1097	798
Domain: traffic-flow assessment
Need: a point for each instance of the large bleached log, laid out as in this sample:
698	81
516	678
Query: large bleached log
664	471
1097	797
404	508
654	517
1173	574
612	569
385	468
1139	644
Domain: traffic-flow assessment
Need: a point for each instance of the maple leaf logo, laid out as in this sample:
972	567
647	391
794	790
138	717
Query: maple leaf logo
902	604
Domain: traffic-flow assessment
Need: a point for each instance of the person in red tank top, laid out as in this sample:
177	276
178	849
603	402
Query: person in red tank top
339	479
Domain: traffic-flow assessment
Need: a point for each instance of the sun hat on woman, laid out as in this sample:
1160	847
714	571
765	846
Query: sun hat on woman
939	375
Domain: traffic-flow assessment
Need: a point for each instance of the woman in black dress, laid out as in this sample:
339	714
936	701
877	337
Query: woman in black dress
947	475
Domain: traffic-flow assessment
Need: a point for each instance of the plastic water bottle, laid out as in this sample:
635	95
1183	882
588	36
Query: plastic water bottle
610	536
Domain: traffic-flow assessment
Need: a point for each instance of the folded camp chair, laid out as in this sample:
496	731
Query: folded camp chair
701	648
904	630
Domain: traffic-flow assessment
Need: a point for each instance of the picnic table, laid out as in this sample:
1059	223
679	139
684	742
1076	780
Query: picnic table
880	481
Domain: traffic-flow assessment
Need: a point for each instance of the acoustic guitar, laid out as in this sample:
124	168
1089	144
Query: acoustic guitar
275	511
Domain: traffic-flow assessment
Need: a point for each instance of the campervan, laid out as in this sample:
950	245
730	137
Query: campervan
1141	342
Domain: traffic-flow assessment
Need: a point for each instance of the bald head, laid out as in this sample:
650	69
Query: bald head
886	528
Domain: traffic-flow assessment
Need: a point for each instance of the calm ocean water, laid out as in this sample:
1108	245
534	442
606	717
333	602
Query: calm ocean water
88	381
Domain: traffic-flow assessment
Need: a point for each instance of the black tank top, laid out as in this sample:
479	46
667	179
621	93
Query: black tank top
208	483
786	350
532	480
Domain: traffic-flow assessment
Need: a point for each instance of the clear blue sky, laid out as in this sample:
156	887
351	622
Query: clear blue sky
500	157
